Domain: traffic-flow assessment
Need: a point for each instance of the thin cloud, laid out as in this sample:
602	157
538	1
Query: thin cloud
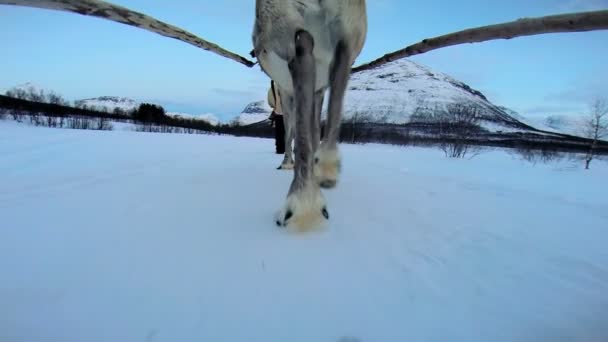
547	109
583	5
232	92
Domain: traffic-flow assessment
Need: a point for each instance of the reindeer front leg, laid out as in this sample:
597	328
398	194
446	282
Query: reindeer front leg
327	159
305	207
316	120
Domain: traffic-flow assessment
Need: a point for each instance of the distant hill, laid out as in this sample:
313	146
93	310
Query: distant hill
398	91
109	102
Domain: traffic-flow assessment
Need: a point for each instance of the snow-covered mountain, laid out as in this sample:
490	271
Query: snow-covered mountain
394	92
560	123
35	92
513	113
253	112
208	117
28	86
397	90
573	124
109	102
30	91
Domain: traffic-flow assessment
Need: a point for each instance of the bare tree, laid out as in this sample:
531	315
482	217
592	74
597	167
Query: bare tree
103	124
354	127
17	93
119	112
457	126
595	127
422	113
35	95
54	98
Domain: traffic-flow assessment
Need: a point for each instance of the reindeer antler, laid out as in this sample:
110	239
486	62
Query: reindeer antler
572	22
105	10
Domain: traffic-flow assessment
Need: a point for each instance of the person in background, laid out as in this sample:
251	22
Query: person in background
276	118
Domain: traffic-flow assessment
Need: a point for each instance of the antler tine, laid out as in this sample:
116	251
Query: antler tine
571	22
105	10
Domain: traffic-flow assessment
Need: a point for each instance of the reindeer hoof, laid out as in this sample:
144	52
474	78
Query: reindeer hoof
327	183
283	223
285	167
305	210
326	168
325	213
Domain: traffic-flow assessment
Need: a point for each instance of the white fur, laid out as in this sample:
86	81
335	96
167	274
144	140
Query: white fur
312	17
279	71
307	207
287	166
331	23
327	165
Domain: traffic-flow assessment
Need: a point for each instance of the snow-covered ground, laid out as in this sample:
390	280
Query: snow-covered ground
125	236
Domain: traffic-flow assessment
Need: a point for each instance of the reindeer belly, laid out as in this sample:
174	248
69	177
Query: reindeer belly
278	69
326	31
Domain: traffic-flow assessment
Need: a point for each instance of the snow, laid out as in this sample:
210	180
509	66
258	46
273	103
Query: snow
561	123
110	102
123	126
253	113
250	118
125	236
573	124
29	87
497	128
393	92
208	117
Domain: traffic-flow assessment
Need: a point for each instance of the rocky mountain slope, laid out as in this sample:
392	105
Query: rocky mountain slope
397	91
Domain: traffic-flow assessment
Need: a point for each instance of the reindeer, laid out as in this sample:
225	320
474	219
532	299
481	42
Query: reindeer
308	47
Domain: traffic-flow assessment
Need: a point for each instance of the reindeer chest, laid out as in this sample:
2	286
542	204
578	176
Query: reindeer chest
276	43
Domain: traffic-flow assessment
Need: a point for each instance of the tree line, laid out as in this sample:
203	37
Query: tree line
50	109
456	129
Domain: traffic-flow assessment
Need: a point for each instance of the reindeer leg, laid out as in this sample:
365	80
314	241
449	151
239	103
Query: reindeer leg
305	207
316	121
289	123
327	159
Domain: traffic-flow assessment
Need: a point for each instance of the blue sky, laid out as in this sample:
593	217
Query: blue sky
83	57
